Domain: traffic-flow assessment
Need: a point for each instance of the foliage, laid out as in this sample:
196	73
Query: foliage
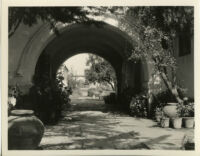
160	99
14	91
153	31
48	96
49	100
63	91
100	71
30	16
14	94
94	91
164	97
138	106
187	110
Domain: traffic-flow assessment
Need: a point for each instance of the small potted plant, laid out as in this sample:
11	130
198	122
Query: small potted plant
177	120
158	114
13	94
188	115
164	122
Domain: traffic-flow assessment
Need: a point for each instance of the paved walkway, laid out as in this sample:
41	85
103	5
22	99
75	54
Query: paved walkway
94	129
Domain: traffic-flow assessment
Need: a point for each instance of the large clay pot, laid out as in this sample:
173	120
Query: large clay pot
170	110
25	130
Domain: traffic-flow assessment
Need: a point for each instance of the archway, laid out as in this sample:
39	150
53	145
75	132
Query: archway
100	39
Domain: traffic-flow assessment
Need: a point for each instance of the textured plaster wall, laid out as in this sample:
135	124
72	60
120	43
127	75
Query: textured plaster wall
185	70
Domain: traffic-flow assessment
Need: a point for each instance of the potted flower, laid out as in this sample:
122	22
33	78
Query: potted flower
177	120
158	114
188	115
13	94
164	122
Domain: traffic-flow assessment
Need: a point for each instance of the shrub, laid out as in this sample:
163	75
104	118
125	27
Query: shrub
160	99
49	99
125	99
187	110
138	106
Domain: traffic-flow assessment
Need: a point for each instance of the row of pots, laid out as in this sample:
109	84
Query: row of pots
170	112
187	122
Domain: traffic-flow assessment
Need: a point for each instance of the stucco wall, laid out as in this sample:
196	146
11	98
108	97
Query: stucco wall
185	70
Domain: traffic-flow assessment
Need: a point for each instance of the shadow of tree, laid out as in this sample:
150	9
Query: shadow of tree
107	143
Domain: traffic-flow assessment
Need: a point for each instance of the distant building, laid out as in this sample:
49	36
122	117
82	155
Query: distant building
64	70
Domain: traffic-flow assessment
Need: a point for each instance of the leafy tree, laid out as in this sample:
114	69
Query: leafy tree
153	30
30	16
100	71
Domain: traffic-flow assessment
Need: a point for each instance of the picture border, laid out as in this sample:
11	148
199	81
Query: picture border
4	73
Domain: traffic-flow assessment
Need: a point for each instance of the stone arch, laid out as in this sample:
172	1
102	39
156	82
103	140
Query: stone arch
99	38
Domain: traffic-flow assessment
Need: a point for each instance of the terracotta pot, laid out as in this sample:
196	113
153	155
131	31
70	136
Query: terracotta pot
188	122
25	130
164	122
170	110
176	122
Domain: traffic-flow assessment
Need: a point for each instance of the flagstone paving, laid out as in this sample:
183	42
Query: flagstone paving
95	129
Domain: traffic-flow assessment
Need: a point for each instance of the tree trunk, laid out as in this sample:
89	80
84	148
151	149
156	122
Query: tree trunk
11	32
163	73
112	86
172	89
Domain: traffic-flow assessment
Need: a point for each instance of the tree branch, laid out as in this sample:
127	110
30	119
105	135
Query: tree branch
15	28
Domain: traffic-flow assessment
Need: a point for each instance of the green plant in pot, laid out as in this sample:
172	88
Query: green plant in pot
164	122
158	114
138	106
188	115
14	93
166	100
177	120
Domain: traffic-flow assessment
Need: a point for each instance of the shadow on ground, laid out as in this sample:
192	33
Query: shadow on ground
99	130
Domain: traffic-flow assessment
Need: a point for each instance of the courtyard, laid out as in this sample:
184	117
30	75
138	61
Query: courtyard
84	78
89	126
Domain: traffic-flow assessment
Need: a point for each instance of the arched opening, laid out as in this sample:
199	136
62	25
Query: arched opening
98	79
90	78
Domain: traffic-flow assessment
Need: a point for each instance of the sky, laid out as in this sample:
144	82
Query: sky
77	63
